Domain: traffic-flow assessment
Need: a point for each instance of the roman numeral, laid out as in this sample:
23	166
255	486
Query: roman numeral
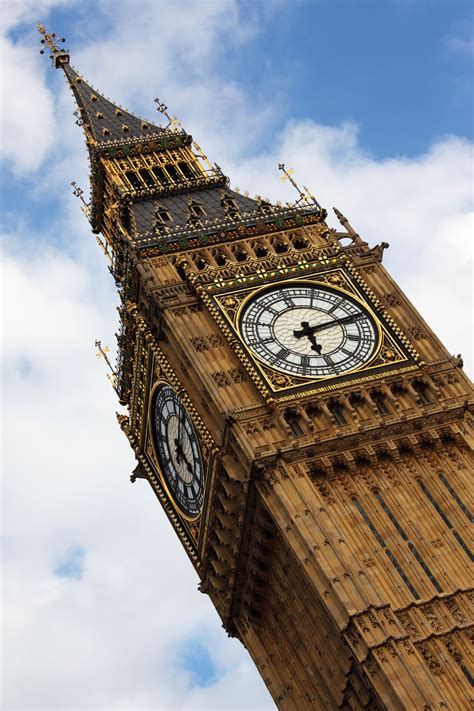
304	362
281	355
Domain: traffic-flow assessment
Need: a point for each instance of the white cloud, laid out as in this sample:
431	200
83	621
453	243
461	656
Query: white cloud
422	206
14	12
27	121
111	639
463	45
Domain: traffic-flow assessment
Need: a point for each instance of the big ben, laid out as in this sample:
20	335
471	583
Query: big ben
306	433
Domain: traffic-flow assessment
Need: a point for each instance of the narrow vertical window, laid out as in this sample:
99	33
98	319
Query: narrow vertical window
423	392
378	399
292	418
337	411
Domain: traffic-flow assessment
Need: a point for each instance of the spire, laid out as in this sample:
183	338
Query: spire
104	122
153	186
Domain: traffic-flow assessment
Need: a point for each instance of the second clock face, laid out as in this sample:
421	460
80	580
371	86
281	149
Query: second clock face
308	330
178	451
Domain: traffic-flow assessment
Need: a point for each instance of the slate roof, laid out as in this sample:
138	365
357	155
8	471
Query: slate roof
209	198
98	113
215	219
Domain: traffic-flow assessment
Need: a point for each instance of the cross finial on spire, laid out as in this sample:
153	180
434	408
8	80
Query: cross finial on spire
58	56
172	120
305	195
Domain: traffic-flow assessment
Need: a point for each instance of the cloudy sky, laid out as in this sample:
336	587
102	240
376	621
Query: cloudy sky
370	101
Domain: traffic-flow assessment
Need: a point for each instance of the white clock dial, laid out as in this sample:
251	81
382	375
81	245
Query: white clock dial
177	448
308	330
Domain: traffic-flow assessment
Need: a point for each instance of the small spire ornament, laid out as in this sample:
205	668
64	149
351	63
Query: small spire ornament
102	354
79	193
305	195
58	56
173	120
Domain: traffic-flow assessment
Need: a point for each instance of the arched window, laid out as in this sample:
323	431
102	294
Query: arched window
162	219
195	213
423	392
379	400
337	410
231	209
264	206
291	416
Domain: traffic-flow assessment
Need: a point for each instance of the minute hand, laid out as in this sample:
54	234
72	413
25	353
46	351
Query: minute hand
336	322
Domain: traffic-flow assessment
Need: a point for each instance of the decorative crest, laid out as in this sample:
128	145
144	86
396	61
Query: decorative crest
58	55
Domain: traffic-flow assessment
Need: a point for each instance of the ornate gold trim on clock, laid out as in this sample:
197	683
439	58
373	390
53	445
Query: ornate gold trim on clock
312	283
152	439
192	530
393	348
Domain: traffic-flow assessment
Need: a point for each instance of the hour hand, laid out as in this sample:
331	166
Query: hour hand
179	449
305	331
308	331
315	346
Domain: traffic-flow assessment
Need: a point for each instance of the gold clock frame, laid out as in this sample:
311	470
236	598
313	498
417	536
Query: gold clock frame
192	532
202	450
225	299
309	282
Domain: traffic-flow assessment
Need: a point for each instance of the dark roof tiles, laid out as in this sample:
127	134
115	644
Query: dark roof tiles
105	120
178	205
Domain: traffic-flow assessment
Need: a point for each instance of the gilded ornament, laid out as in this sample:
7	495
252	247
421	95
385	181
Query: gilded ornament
389	354
230	302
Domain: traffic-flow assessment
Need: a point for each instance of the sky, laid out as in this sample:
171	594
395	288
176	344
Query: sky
371	103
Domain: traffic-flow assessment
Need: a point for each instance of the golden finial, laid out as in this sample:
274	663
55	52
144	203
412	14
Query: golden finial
102	353
58	56
78	192
304	194
173	121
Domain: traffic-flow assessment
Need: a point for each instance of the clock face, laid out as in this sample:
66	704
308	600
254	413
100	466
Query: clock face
177	448
308	330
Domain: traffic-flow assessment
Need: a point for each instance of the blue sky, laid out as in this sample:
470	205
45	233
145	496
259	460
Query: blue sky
400	69
371	104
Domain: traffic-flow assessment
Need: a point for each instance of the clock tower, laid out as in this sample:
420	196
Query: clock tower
306	433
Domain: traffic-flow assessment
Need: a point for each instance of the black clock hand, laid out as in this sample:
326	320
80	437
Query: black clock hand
315	346
178	449
308	330
337	322
311	330
181	455
177	441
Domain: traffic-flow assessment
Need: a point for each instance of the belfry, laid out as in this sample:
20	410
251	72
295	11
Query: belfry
305	431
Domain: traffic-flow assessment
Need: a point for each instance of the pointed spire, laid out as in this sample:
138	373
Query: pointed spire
103	121
345	222
142	176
